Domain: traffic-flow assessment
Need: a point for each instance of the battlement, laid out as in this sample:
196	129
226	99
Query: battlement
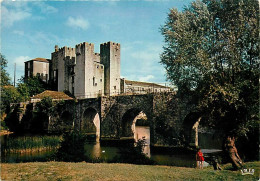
82	46
64	49
85	44
110	43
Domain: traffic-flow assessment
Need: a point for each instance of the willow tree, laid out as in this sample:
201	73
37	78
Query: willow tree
211	52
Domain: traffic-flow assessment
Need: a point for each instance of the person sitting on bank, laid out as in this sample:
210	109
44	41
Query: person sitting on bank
199	159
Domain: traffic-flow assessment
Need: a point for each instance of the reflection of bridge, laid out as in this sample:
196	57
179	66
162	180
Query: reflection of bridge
115	117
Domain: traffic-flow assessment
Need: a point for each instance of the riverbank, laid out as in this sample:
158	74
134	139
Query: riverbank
117	172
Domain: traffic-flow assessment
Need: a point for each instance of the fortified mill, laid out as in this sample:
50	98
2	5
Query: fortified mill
103	104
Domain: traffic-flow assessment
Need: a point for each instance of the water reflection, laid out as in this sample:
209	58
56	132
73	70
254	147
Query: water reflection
107	153
143	132
95	150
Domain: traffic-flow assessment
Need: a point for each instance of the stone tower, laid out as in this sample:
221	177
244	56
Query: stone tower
61	68
110	58
89	73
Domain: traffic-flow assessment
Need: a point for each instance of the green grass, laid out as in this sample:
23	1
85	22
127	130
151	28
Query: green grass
27	143
115	172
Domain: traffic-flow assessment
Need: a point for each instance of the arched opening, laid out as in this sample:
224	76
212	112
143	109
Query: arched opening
129	120
66	119
197	133
190	128
136	125
90	123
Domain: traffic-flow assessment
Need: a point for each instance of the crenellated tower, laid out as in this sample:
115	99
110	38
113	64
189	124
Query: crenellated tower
89	73
110	58
62	69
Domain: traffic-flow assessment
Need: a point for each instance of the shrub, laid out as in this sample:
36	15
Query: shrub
72	147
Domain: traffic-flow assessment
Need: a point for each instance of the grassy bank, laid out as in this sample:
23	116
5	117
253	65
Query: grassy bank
115	172
30	144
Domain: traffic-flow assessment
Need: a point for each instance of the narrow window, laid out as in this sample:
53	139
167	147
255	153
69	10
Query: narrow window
93	81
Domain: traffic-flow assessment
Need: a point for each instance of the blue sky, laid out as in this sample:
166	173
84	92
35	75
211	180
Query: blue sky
31	29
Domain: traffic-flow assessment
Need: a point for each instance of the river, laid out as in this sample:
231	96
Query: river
175	157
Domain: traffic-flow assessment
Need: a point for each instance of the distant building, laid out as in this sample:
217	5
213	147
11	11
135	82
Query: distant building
37	67
86	74
137	87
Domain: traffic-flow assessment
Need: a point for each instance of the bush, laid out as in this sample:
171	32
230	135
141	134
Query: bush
72	147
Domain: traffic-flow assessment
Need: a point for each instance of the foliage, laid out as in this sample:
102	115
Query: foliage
9	94
23	89
12	120
166	120
6	91
45	106
31	86
72	147
211	53
5	79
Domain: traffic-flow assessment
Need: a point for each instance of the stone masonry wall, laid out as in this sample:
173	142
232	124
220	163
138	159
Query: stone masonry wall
110	58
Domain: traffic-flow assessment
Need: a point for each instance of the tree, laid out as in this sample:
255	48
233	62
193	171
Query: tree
5	79
211	52
23	89
32	86
72	147
9	94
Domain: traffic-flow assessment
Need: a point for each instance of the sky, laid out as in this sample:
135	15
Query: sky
31	29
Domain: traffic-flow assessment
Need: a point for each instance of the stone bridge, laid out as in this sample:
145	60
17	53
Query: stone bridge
115	117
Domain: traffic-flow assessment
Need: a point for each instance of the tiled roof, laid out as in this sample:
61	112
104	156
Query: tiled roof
137	83
53	95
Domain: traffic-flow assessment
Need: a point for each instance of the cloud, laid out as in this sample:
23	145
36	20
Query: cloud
78	22
146	78
18	32
20	61
9	17
20	10
45	8
42	38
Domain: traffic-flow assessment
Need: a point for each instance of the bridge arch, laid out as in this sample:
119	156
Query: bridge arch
90	122
190	128
131	119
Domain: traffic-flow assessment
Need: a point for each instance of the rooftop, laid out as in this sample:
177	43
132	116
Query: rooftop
40	59
53	94
137	83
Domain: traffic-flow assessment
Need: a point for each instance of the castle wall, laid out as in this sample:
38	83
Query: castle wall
110	58
61	58
54	70
89	73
